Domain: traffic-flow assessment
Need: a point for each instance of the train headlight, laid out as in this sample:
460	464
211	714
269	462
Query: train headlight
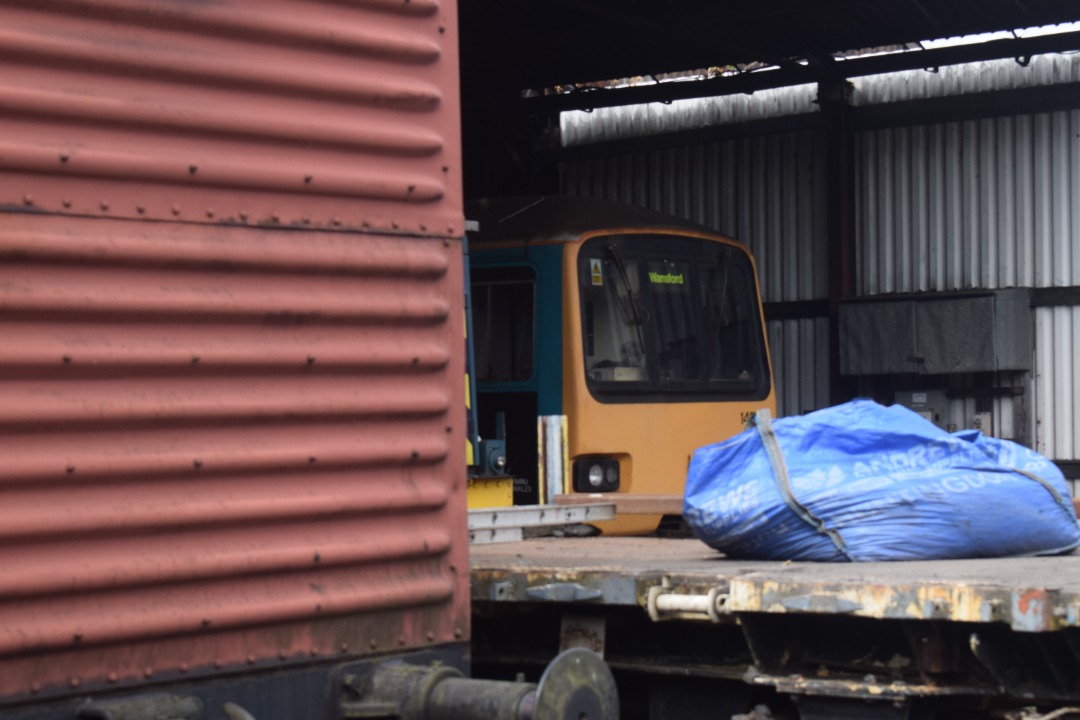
596	475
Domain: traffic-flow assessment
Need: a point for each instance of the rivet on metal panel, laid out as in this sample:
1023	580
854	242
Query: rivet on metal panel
206	622
423	227
335	221
66	202
401	640
104	205
197	463
446	242
35	688
195	359
310	359
365	224
449	428
394	224
64	157
344	647
411	189
281	655
446	168
140	209
193	169
148	672
77	638
209	212
113	677
450	229
311	459
316	558
442	29
308	179
430	636
183	667
70	469
243	215
251	659
416	361
415	455
28	199
276	217
65	359
373	643
453	568
218	663
314	652
175	209
458	633
75	682
306	220
318	607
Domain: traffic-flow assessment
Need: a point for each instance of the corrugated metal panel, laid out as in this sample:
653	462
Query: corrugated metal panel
800	357
1057	382
979	204
768	193
225	444
279	112
618	123
209	431
952	80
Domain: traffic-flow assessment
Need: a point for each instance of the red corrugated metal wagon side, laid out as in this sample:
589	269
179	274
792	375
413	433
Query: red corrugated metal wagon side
231	367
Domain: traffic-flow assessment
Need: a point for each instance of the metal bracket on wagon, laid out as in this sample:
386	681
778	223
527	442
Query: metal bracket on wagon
508	524
663	602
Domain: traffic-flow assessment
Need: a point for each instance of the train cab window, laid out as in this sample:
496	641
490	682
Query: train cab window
670	318
503	304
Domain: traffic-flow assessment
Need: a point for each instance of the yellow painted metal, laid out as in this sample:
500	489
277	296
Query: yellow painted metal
493	492
653	442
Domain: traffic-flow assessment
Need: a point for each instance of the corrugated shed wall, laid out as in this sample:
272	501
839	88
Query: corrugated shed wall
765	192
982	204
230	440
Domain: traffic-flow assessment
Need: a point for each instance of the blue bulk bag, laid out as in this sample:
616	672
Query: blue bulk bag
863	482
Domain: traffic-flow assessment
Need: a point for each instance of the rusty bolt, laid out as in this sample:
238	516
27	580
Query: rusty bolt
66	202
193	169
394	224
310	359
206	622
449	428
445	242
175	209
411	189
415	455
453	568
311	459
140	209
195	359
209	212
64	157
65	359
104	205
442	29
423	227
446	168
70	469
335	221
28	199
450	229
308	179
197	463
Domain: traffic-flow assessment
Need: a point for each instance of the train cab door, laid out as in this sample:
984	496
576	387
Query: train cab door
517	345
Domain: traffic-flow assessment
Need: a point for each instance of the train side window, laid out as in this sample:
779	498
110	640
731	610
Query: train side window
504	321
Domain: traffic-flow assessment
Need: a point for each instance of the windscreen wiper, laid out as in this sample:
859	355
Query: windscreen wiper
634	311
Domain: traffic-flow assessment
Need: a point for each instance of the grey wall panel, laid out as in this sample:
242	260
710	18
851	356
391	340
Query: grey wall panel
1057	382
800	355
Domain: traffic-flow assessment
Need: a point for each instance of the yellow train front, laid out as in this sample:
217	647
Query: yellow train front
644	332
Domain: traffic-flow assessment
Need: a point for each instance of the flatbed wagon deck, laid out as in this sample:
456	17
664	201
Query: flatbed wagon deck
959	635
